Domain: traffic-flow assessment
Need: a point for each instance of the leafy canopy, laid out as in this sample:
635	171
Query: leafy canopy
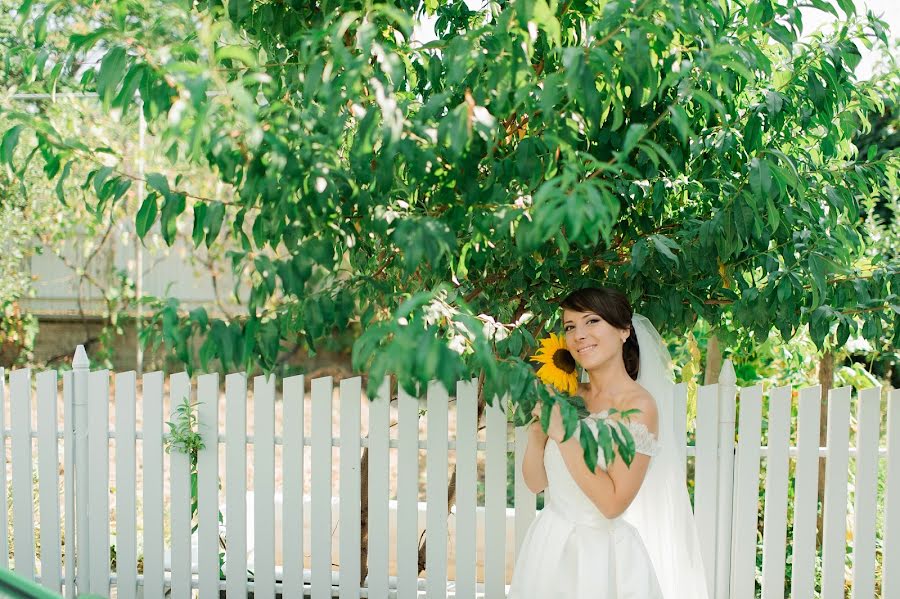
441	197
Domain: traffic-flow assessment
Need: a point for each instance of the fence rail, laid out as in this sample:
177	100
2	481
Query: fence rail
148	521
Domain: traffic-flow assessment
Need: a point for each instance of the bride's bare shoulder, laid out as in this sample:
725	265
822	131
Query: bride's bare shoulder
640	399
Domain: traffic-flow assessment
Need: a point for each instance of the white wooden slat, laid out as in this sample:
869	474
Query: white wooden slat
208	485
525	500
69	477
379	491
350	491
890	584
834	519
98	448
48	480
806	473
466	486
23	517
292	504
495	500
866	492
407	495
775	517
152	391
180	486
236	485
746	489
4	539
126	485
264	487
706	477
436	491
320	488
679	422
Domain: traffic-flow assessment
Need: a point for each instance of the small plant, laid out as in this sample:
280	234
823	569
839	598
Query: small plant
184	437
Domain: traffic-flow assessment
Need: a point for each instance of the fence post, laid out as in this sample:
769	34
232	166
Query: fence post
81	369
727	408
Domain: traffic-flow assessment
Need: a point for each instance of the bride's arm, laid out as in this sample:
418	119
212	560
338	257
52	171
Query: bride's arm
614	491
533	470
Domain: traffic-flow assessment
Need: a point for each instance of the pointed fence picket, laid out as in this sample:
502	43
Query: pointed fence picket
495	500
407	494
22	509
706	477
834	518
868	412
436	492
264	487
466	487
350	492
292	460
152	441
126	485
378	537
776	498
208	485
236	485
890	568
470	550
180	510
48	482
746	499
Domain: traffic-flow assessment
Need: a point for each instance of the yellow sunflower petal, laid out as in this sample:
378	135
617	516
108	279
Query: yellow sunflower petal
549	372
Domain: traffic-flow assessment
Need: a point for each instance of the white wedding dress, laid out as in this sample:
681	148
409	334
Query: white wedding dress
572	551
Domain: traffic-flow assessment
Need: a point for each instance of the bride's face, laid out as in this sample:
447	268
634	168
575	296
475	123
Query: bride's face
591	340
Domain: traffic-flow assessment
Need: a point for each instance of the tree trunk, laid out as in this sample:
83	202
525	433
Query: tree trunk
364	517
826	380
713	360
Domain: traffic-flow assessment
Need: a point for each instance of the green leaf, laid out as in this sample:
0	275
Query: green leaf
848	6
760	177
60	183
9	143
589	443
604	439
146	215
173	206
680	122
239	53
664	246
159	183
634	134
215	215
112	70
547	21
197	235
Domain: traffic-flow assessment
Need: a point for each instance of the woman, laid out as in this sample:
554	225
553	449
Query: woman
619	532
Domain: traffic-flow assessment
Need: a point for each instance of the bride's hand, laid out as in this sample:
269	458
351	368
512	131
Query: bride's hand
535	430
556	430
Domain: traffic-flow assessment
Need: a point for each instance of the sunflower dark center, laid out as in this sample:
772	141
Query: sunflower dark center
563	360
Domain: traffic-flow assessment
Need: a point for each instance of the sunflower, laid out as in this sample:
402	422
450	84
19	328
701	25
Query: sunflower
559	367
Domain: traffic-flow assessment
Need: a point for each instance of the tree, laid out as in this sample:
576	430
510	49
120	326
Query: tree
440	198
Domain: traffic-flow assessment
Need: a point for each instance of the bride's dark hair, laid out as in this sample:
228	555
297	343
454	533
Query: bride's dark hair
612	306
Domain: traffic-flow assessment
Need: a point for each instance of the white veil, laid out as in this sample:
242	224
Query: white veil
661	511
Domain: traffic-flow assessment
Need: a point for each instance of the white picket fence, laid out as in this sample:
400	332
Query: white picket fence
280	539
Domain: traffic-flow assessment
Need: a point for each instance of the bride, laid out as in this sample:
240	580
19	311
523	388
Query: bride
619	532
